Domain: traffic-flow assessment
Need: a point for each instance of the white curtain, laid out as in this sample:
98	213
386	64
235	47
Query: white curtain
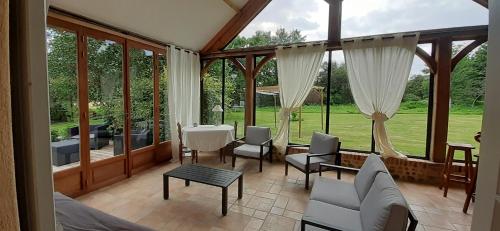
183	91
378	72
298	68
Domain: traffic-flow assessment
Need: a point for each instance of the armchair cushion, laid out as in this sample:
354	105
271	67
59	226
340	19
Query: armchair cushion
299	160
367	173
250	150
322	144
257	135
335	192
384	207
332	216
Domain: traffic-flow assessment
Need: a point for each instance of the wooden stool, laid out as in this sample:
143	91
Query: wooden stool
471	194
448	175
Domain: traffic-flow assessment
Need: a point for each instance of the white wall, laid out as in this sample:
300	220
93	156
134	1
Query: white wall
487	208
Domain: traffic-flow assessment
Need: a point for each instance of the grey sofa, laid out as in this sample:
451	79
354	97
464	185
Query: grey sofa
322	149
372	202
256	144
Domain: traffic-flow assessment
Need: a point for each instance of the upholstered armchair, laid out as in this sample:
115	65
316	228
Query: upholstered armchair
323	148
256	144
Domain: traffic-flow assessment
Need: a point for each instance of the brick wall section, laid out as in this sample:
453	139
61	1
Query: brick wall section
413	170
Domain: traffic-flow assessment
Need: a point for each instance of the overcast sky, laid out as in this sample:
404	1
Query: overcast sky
368	17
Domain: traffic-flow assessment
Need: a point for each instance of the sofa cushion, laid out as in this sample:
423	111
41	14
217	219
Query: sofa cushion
323	143
299	160
257	135
384	207
332	216
250	150
335	192
366	175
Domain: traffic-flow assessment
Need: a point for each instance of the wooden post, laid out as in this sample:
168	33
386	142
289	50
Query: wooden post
441	92
250	86
322	119
334	21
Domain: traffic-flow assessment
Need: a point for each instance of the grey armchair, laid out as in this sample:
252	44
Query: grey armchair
256	144
323	148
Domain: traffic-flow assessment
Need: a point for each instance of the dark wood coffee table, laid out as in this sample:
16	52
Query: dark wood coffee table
206	175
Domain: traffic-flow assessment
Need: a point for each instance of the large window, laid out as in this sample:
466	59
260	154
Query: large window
234	97
63	94
105	97
141	97
212	93
267	98
164	114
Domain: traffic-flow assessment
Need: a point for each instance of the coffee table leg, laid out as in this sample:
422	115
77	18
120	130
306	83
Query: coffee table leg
240	187
186	182
224	201
165	187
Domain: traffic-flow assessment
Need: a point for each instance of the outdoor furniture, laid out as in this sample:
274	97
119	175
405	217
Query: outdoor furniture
205	175
99	135
322	149
138	139
256	144
65	152
183	151
73	215
372	202
208	138
448	175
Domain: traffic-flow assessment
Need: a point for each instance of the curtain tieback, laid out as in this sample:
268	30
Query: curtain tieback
379	116
285	112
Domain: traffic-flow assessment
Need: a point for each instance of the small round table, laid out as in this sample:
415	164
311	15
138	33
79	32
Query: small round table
208	138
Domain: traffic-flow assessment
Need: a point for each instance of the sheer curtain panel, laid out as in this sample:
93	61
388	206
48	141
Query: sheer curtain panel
298	68
183	91
378	72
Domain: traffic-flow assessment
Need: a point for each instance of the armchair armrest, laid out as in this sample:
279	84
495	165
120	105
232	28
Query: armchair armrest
295	146
337	167
266	142
238	141
320	154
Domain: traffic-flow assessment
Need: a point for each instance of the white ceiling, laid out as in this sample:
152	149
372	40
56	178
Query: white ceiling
186	23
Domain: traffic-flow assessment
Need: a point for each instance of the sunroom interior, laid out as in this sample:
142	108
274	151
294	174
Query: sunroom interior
129	83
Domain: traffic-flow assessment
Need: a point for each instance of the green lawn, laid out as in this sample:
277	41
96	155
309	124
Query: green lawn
407	129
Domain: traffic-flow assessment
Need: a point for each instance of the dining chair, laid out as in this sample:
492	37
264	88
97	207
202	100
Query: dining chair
256	144
184	151
322	149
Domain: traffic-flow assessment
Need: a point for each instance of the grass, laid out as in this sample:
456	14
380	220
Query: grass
407	129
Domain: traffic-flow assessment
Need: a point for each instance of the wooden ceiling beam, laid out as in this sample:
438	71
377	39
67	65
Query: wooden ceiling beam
483	3
238	64
466	50
429	60
251	9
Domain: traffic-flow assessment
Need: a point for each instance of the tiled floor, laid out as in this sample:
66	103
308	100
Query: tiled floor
271	201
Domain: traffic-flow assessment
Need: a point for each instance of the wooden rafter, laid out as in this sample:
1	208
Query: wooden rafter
466	50
262	63
238	64
483	3
232	28
431	63
232	5
206	65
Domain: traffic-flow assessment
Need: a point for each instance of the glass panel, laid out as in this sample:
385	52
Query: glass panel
106	108
141	97
267	103
467	98
234	97
212	93
346	122
63	93
164	113
408	128
311	116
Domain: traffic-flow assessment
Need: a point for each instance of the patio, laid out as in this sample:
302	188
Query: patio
270	201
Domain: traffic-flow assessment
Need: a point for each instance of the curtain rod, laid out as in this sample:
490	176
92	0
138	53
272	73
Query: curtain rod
372	38
113	28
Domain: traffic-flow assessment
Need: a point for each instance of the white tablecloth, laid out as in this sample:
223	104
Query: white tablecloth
207	137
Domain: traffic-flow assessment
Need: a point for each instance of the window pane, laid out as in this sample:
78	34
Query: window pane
311	116
267	102
346	122
212	93
141	97
63	94
467	98
106	108
235	97
408	128
164	113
